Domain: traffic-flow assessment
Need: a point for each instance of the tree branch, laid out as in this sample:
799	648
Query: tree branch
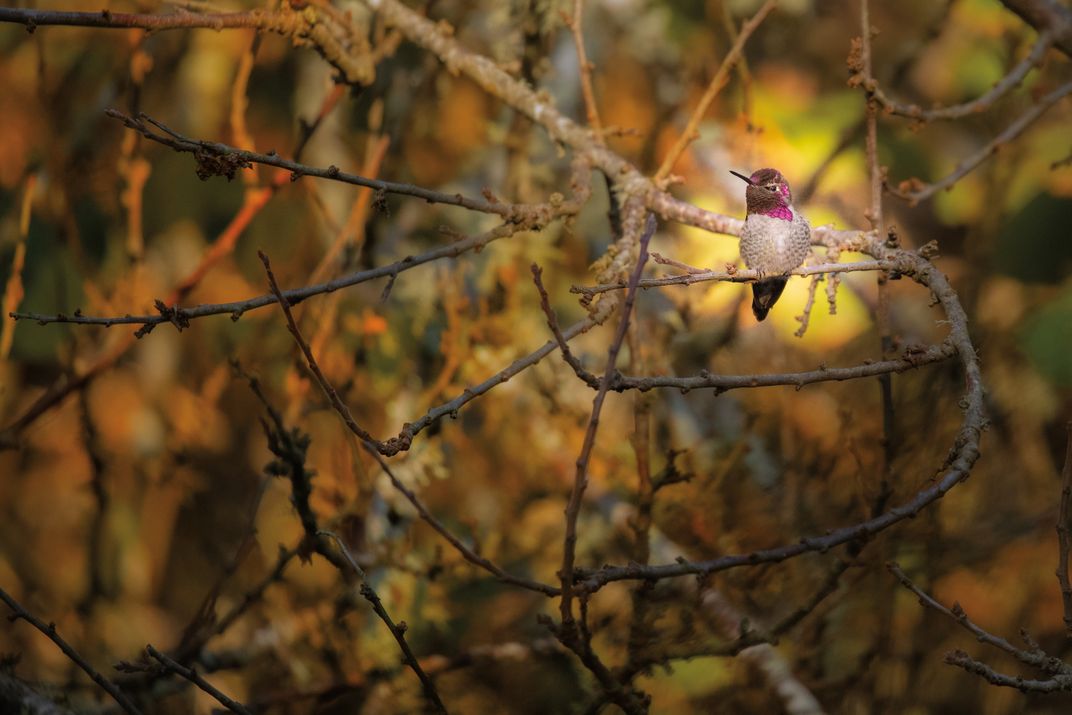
1005	85
1064	535
49	629
194	677
580	479
713	88
915	191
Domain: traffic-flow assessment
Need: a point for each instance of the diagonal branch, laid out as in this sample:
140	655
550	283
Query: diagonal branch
1064	535
194	677
915	191
1034	658
580	480
713	88
49	629
1005	85
375	449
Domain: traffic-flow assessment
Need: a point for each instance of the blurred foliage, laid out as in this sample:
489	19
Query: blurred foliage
143	495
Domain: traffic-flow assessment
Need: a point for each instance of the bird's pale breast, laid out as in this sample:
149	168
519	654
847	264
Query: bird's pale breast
774	245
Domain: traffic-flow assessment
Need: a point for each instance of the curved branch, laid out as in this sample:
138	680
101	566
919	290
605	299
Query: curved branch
915	191
626	177
958	465
1005	85
1046	14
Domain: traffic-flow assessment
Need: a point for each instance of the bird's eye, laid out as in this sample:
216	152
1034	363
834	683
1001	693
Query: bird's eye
770	188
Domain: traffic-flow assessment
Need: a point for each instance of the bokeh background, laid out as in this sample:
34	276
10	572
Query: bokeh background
140	501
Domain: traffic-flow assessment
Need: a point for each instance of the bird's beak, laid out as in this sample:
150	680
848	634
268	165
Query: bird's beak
742	176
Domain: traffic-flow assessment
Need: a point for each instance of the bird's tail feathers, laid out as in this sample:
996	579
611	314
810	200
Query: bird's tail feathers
765	294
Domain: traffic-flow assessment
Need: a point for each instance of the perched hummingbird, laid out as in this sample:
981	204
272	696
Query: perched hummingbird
775	239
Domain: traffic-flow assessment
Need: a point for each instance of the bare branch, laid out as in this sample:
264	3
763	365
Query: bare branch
1064	539
1034	658
915	191
398	630
194	677
1055	684
552	322
1005	85
580	480
576	26
913	357
321	29
713	88
467	553
737	276
232	158
49	629
294	296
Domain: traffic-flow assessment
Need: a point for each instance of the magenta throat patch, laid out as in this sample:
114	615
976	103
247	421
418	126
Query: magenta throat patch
781	212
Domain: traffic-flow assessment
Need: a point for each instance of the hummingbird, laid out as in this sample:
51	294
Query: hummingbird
776	237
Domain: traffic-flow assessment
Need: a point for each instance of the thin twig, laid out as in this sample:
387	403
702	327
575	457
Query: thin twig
915	191
580	480
194	677
467	553
1064	535
1052	685
375	449
552	322
398	630
1005	85
713	88
33	19
913	357
576	26
49	629
354	65
237	158
292	326
737	276
805	316
238	308
1034	658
